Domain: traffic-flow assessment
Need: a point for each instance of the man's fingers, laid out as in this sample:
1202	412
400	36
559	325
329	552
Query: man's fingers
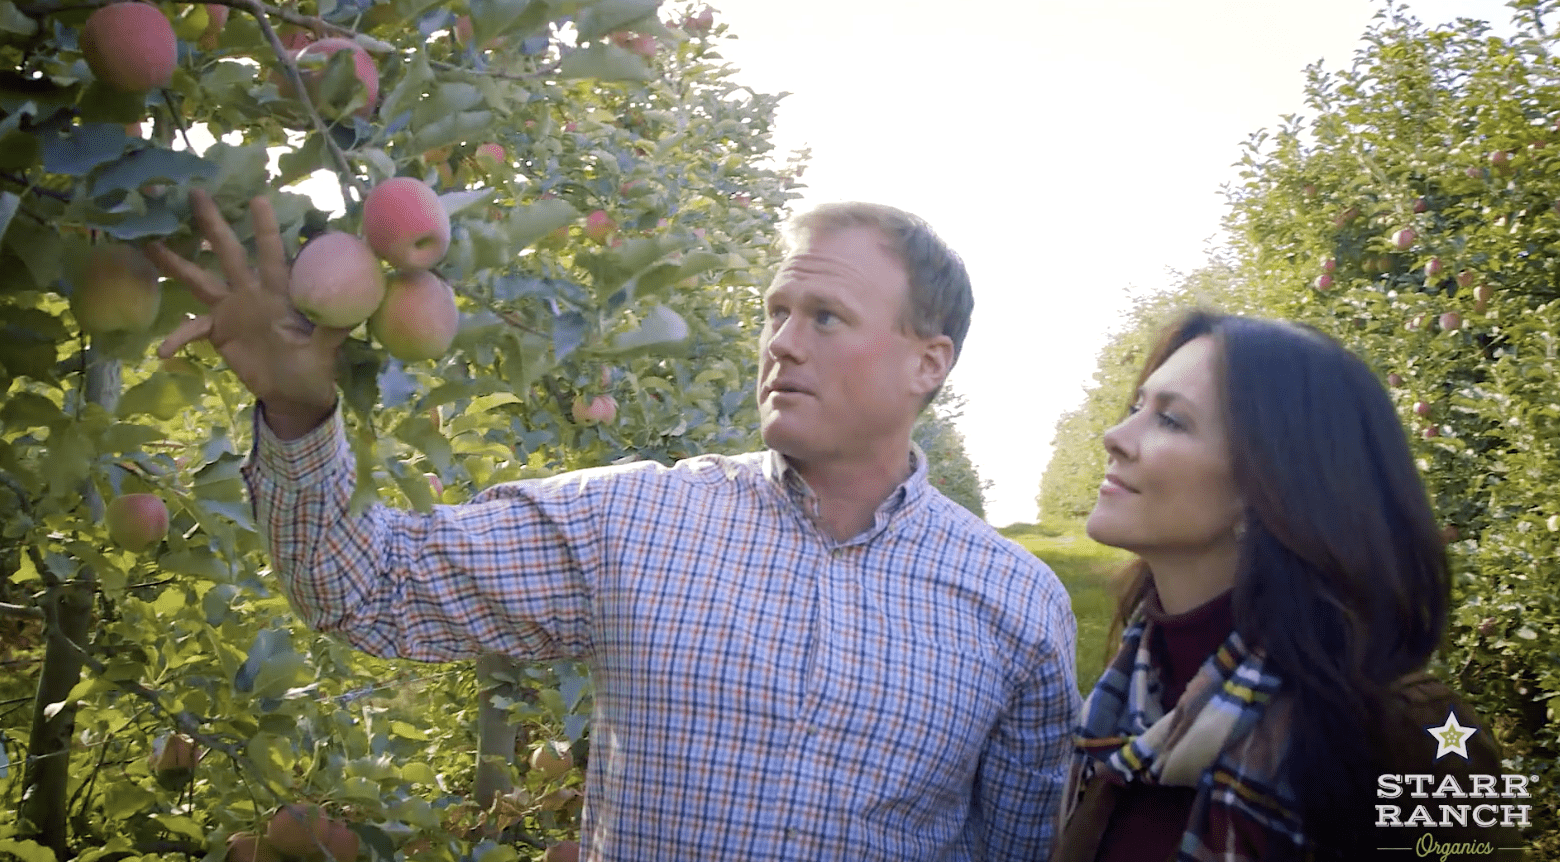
329	336
268	246
216	230
205	288
188	331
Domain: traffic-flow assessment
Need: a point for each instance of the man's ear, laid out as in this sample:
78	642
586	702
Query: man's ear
936	360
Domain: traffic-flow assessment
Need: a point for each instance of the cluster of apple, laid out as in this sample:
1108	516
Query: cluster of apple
296	831
337	280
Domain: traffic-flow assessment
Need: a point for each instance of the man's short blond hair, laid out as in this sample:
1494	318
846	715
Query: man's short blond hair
940	301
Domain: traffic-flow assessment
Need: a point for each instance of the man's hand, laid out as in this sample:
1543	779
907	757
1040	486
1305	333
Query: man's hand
285	360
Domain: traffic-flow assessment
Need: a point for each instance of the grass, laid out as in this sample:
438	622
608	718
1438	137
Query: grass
1085	568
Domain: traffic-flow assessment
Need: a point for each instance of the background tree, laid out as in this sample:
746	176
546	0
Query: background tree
1415	215
612	202
948	463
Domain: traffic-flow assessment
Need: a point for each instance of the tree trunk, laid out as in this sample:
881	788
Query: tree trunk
68	606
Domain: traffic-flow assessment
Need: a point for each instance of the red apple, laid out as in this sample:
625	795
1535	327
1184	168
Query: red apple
1500	158
602	409
312	59
563	851
136	522
1420	205
1433	268
1451	321
249	847
1330	265
130	47
405	224
700	22
1464	278
1404	238
216	17
599	225
418	319
492	152
1432	432
1394	379
336	281
1324	282
1422	408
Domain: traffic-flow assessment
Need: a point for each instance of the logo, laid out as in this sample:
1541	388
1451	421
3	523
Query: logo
1430	801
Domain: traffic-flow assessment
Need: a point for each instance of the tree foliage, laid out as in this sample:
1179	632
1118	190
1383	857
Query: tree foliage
600	107
948	463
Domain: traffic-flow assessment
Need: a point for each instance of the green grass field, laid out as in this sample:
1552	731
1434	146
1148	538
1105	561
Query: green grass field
1085	568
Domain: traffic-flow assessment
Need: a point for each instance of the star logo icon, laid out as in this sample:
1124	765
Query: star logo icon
1451	737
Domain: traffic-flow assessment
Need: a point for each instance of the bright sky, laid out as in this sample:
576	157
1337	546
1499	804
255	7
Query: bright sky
1071	152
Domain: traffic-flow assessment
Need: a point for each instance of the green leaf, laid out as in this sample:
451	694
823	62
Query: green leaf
408	89
604	62
454	202
660	329
13	21
605	16
139	167
530	223
9	202
451	129
126	437
198	562
408	731
157	396
29	410
418	772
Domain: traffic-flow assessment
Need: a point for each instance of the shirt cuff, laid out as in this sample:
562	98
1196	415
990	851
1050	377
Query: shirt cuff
305	460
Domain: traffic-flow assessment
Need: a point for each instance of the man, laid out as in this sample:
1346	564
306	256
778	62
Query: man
803	653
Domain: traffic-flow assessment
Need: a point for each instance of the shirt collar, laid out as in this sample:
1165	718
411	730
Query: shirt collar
779	470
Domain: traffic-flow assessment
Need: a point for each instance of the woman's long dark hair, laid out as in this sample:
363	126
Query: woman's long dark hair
1343	579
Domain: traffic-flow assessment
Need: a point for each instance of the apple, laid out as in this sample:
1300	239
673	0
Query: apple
1487	626
418	319
1420	205
1500	158
563	851
1324	282
552	759
635	43
1404	238
599	225
312	59
304	829
699	23
1415	323
1346	216
294	38
602	408
118	291
1450	534
249	847
130	47
1451	321
1465	278
1432	432
1474	173
1330	265
336	281
491	153
435	484
1394	379
136	521
1434	267
405	224
1422	408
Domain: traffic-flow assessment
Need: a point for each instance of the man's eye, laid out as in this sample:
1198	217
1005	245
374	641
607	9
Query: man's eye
825	317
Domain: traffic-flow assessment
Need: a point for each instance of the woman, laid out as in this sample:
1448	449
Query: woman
1289	588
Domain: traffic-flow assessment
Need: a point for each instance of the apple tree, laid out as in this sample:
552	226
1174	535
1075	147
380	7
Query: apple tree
604	202
1415	215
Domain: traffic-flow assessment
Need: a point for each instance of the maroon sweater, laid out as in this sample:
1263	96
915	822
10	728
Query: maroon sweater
1148	820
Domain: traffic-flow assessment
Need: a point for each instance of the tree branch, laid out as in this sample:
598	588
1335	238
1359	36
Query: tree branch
9	610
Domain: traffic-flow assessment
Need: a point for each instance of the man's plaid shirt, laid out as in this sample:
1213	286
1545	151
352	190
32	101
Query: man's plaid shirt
762	692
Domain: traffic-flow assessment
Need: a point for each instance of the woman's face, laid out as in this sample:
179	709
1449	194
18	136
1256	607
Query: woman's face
1169	487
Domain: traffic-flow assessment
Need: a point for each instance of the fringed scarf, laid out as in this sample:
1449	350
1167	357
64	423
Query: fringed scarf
1225	737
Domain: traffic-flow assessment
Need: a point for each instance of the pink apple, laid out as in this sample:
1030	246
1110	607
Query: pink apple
1404	238
311	62
1394	379
130	47
336	281
136	522
1465	278
1451	321
418	319
1422	408
1420	205
599	225
1324	282
1433	268
405	224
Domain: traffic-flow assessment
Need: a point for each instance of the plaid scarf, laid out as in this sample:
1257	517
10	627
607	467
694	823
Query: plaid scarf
1225	737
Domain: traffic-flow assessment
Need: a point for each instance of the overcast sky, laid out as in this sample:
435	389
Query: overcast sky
1071	152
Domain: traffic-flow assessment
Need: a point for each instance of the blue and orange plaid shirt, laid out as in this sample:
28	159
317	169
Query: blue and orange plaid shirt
762	691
